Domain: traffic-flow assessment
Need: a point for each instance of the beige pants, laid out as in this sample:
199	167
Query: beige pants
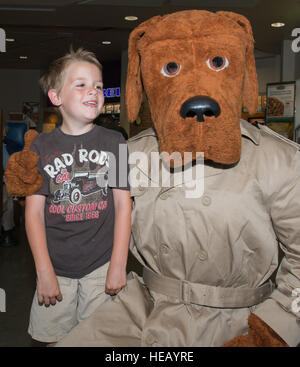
80	298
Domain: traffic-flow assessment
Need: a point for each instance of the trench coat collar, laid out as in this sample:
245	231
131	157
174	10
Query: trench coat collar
250	131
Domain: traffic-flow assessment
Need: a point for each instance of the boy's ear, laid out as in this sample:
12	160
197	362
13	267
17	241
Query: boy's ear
54	98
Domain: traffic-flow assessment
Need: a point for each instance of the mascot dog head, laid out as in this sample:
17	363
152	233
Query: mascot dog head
197	69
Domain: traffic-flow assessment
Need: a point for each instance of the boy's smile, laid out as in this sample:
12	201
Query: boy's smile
81	97
91	104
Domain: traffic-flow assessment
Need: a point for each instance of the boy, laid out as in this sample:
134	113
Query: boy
78	223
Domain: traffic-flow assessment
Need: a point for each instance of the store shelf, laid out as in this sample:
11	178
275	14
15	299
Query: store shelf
259	116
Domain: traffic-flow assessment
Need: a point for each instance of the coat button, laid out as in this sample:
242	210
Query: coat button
202	255
206	200
141	188
164	248
150	339
164	196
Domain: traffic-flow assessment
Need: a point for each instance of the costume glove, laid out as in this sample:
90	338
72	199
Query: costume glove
21	174
259	335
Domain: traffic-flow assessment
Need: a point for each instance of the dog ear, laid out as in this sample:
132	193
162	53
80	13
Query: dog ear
134	88
250	87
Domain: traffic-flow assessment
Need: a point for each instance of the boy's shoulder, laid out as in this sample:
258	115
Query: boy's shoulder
108	133
99	134
44	137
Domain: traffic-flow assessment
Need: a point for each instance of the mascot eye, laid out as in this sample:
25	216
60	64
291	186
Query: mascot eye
217	63
171	69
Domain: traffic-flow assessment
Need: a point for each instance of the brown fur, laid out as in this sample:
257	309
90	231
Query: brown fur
190	38
259	335
21	174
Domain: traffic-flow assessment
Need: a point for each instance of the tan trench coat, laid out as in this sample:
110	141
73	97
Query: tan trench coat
227	238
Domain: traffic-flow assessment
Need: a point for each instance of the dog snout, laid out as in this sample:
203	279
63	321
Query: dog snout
200	106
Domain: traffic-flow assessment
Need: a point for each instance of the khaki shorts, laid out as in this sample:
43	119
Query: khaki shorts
80	298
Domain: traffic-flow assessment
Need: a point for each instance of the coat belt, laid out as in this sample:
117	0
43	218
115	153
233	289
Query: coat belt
206	295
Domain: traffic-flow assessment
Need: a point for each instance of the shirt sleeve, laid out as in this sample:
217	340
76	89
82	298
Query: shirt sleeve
35	147
282	310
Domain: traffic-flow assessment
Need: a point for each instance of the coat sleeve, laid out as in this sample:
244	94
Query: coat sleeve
282	310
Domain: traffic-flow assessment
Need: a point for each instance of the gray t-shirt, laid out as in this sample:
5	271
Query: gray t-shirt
79	173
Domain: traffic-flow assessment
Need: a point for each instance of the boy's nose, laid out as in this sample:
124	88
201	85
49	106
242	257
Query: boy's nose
92	91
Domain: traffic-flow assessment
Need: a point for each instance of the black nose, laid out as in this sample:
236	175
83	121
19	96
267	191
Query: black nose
199	106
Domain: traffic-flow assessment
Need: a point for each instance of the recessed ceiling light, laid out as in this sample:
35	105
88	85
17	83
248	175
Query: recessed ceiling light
131	18
23	57
106	42
277	25
10	40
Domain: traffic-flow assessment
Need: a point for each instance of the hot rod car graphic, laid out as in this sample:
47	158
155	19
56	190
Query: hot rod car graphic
82	184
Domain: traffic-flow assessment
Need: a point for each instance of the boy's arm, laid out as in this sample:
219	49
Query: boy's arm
116	274
47	285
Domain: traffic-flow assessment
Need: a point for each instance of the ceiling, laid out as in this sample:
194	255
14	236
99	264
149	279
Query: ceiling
44	29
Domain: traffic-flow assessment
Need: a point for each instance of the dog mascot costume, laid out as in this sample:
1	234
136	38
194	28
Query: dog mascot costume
208	258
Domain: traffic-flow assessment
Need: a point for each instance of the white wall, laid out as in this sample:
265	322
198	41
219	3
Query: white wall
297	67
18	86
297	77
123	115
297	117
288	66
268	71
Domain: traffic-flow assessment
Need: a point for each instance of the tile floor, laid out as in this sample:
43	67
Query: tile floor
17	278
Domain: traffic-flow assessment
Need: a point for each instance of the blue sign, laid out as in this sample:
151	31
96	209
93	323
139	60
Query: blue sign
111	92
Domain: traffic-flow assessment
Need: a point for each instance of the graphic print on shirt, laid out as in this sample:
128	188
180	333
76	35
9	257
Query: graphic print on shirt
78	184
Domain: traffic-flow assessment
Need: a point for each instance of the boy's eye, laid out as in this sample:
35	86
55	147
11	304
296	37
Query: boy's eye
80	85
99	87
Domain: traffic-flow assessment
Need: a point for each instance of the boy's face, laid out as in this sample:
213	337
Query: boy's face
81	97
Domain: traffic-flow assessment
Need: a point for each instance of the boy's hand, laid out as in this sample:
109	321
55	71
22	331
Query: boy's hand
48	289
115	279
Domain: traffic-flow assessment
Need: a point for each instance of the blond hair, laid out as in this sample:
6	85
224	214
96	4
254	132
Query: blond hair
54	77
